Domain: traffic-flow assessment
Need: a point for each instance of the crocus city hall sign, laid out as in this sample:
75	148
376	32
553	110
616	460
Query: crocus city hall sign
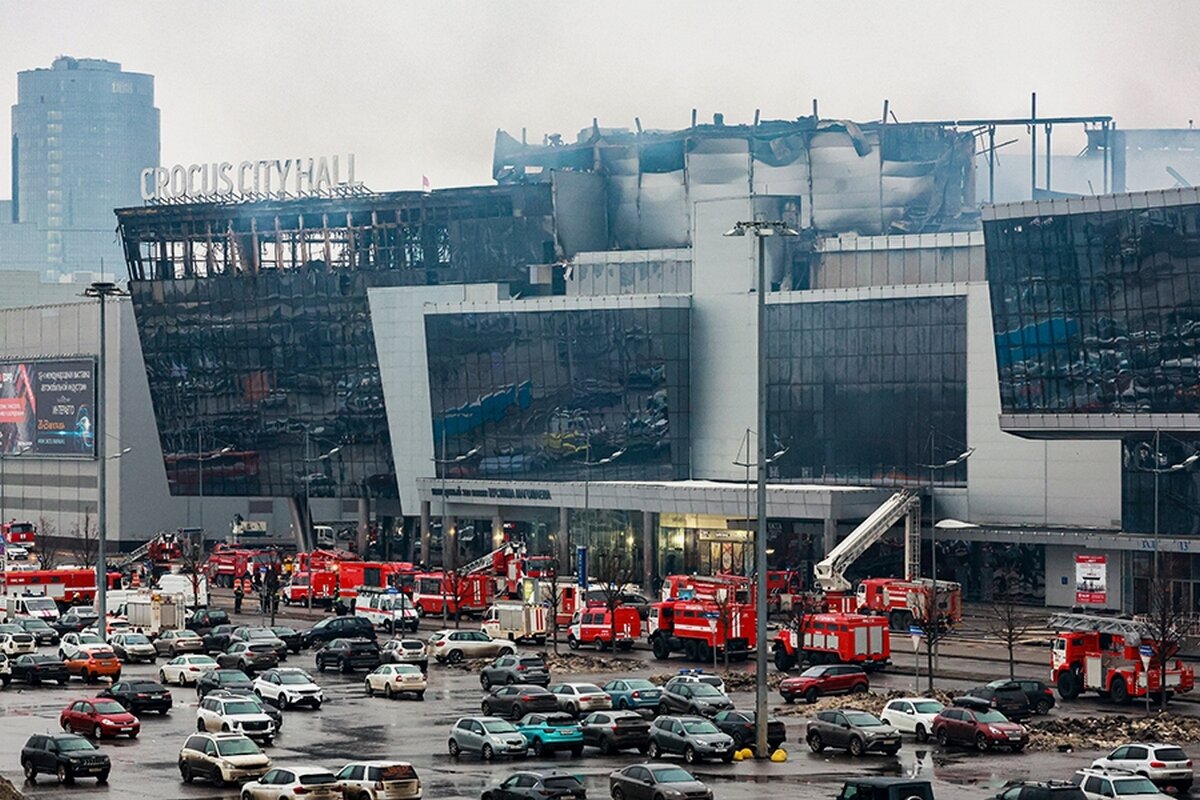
276	178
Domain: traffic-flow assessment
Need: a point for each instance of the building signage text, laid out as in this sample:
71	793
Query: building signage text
272	178
503	492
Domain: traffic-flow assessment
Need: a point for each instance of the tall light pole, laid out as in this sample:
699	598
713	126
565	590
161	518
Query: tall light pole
100	290
308	477
1157	470
761	229
587	482
441	464
200	459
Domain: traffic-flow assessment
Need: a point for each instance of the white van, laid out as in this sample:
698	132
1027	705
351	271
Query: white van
389	609
182	584
37	606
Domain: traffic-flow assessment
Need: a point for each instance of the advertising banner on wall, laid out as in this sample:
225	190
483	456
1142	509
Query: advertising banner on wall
46	408
1091	580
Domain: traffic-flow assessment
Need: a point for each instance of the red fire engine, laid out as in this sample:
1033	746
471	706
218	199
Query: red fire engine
22	533
227	562
434	592
831	638
896	599
596	626
374	574
706	587
1104	655
67	586
697	627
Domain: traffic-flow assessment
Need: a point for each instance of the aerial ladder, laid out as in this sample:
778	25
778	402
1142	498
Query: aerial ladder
904	504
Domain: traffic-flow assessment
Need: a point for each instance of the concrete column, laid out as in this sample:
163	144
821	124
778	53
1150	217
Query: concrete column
831	535
450	543
364	524
564	540
649	551
497	530
426	534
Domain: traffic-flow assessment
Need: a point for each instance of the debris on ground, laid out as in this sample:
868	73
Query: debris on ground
734	681
867	701
1103	733
563	664
8	791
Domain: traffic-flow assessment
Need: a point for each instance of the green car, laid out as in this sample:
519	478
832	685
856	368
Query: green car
547	733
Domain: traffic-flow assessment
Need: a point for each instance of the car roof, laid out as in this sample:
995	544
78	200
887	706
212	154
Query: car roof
394	763
915	700
301	768
890	781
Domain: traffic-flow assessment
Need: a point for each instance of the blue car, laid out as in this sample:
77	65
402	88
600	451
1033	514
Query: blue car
548	733
634	693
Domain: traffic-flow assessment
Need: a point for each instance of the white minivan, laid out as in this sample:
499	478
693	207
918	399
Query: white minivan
193	596
389	609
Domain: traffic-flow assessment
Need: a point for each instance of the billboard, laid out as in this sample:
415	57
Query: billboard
1091	580
46	408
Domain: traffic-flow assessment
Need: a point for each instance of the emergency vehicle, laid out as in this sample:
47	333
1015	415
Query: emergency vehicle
227	562
832	638
389	609
22	533
516	622
540	591
318	587
595	626
71	586
697	627
1104	655
351	575
435	592
897	600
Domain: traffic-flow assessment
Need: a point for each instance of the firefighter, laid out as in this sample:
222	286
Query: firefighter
238	593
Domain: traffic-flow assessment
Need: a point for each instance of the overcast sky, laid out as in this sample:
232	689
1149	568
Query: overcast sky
420	88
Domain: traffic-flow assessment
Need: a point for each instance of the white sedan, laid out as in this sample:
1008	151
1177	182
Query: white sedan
576	698
394	679
294	782
912	715
186	670
287	687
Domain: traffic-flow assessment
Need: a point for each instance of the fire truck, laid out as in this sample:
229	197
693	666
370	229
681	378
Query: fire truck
22	533
596	626
833	638
435	593
698	627
68	587
705	587
1104	655
352	575
541	591
309	588
227	562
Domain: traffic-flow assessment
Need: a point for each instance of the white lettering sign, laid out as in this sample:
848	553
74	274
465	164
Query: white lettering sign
277	178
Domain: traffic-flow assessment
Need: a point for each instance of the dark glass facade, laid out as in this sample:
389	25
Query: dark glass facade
1097	313
539	394
858	391
1178	491
267	384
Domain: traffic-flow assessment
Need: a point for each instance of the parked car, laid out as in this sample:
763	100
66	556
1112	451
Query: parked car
75	620
698	675
16	642
740	725
487	736
516	700
202	620
379	780
221	758
139	695
1039	696
547	733
99	717
133	648
633	693
72	643
218	638
241	694
869	788
580	698
41	631
536	786
1007	697
453	646
287	687
512	668
1098	784
695	738
980	728
694	698
289	636
91	665
237	715
396	679
1041	790
231	679
1165	764
5	670
66	755
405	651
616	730
184	670
857	732
913	715
651	781
338	628
36	669
348	655
249	657
294	782
174	643
824	680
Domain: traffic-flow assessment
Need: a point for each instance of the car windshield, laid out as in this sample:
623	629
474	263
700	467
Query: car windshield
283	631
498	726
990	716
41	604
237	747
146	686
672	775
186	635
638	683
103	654
1170	754
588	688
109	707
293	678
699	726
241	707
68	744
1134	786
704	690
136	638
928	707
201	661
90	638
861	719
392	772
35	624
813	672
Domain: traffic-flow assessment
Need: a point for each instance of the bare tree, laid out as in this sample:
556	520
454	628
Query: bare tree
49	546
804	606
1168	627
554	600
615	572
931	615
1008	621
192	563
85	541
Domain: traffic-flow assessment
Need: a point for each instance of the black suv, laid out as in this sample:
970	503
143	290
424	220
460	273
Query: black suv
1042	790
1008	698
1040	698
203	620
348	655
63	754
886	789
42	633
338	628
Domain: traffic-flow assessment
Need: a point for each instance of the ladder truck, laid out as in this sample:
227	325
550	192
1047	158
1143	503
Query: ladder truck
1105	655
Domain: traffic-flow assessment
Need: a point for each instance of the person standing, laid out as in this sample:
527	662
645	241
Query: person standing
238	594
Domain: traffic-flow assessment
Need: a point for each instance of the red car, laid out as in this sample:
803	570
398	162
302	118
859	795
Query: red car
825	679
99	717
980	729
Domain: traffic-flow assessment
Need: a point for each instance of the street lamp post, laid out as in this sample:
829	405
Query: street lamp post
308	476
200	459
1157	470
587	482
100	290
761	229
441	464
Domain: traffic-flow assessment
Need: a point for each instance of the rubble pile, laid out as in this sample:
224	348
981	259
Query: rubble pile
869	701
8	791
734	681
566	663
1103	733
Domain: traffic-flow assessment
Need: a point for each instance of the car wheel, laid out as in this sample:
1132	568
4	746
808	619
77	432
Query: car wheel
1016	748
922	734
320	665
510	680
618	793
487	753
623	705
537	747
29	770
577	751
455	656
981	743
738	742
452	746
162	676
185	772
485	682
486	708
814	742
689	754
86	676
516	712
370	690
200	725
942	737
97	732
860	688
1043	706
387	691
64	776
508	651
102	778
811	695
856	746
606	746
653	750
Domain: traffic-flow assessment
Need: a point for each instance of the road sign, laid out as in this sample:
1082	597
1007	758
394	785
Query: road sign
581	566
916	634
1146	652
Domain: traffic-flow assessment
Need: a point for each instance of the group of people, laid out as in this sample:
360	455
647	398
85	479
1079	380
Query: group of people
265	585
